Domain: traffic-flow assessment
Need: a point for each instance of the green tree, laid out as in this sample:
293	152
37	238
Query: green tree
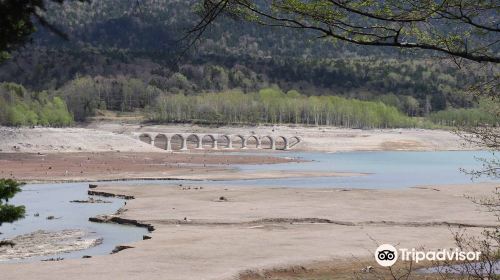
216	77
9	213
272	105
19	107
391	99
411	105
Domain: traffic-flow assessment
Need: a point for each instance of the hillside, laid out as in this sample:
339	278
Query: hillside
139	42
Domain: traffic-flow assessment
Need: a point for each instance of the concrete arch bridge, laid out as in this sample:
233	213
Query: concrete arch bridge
188	141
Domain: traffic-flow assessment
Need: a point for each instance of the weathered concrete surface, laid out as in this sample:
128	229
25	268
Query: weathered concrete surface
198	235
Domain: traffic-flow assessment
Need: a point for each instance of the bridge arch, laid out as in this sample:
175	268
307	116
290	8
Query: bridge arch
193	141
225	141
294	140
253	141
161	141
209	140
267	142
178	142
281	143
240	141
146	138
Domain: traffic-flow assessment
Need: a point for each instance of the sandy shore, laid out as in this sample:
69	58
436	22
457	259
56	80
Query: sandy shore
56	140
112	136
199	236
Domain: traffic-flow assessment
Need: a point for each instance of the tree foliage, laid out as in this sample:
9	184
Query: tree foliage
9	213
19	107
461	29
178	99
406	84
119	40
463	117
271	105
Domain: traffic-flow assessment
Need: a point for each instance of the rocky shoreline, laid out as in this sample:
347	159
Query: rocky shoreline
46	243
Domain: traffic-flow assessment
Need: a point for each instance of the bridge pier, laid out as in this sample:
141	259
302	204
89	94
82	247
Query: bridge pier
258	144
184	144
169	144
199	146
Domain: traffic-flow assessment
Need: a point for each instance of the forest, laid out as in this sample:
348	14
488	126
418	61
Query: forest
271	105
84	97
125	57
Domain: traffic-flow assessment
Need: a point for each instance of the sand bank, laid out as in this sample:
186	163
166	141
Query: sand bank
198	235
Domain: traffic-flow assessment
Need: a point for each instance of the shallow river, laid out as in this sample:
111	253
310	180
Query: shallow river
385	170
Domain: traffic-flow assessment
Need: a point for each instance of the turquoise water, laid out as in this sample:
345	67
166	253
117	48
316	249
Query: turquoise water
387	170
384	170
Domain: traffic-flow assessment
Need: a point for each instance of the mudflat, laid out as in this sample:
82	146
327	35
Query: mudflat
228	231
68	167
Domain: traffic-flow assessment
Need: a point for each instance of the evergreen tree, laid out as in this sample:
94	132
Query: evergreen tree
9	213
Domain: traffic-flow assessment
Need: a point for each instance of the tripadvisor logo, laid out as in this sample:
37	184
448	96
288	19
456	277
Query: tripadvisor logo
387	255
